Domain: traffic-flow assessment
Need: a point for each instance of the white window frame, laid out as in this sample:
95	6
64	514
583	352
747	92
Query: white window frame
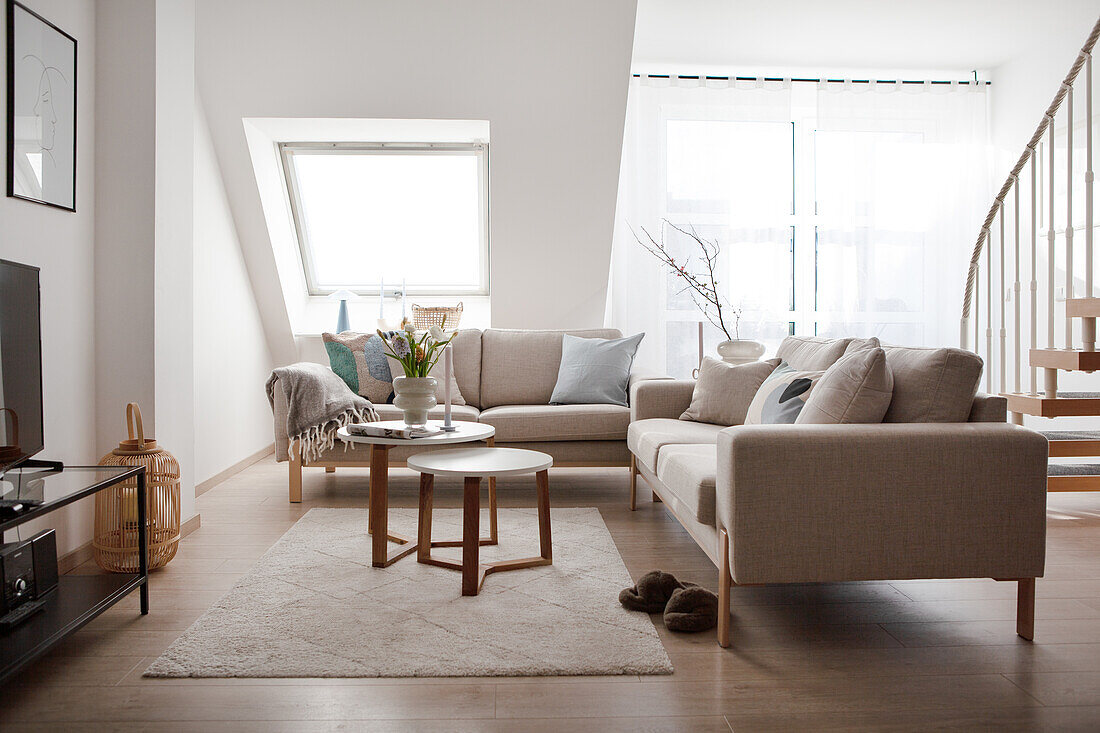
287	151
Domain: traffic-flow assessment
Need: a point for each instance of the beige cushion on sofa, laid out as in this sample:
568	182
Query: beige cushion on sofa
522	423
857	389
932	385
645	438
521	367
690	472
458	412
466	349
724	391
811	353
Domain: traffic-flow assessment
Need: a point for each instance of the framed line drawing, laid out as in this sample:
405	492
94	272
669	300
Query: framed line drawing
41	88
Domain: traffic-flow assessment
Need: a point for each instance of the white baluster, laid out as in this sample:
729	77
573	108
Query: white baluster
1088	325
1017	364
1069	214
1034	278
1050	376
1002	360
988	312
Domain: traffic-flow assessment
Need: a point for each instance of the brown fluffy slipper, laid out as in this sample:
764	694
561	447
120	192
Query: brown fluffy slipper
691	609
652	592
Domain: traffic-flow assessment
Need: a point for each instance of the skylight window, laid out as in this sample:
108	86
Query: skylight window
368	214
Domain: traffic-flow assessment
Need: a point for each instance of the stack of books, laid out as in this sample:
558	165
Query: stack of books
376	431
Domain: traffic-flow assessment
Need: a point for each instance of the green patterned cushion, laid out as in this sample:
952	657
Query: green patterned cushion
360	360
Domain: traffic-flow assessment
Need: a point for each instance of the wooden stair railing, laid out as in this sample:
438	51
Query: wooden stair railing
1005	331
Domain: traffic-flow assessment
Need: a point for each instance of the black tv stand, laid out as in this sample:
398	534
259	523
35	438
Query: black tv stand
78	598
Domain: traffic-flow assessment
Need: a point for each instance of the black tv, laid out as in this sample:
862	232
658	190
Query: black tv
21	430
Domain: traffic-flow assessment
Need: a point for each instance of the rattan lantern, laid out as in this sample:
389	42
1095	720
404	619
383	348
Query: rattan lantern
115	545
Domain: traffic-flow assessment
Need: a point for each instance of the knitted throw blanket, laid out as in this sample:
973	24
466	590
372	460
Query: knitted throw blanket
318	404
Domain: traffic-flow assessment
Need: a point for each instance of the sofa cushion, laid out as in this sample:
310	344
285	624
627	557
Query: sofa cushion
521	367
360	360
724	391
458	412
932	385
857	389
811	353
594	371
466	349
782	396
690	473
525	423
645	438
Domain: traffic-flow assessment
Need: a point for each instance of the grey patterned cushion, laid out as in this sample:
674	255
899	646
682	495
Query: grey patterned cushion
359	359
782	396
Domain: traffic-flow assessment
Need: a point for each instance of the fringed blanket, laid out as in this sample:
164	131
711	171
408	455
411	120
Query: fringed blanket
318	404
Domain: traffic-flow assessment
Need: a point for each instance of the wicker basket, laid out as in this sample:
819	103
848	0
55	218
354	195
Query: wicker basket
115	545
424	317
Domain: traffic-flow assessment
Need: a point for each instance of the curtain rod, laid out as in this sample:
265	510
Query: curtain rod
698	77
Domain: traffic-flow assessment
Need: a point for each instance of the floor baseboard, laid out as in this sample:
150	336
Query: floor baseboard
204	486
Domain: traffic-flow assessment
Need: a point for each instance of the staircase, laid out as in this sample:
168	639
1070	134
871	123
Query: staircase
1062	305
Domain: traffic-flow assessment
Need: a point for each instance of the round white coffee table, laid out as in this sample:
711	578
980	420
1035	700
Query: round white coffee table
474	464
378	516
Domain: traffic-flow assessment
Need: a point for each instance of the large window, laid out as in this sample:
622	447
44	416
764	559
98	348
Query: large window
368	214
841	209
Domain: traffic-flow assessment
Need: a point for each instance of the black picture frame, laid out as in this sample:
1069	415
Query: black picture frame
69	73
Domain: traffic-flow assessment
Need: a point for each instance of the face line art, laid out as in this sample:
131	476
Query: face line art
44	108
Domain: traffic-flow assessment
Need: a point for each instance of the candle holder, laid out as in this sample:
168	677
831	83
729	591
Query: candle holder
448	375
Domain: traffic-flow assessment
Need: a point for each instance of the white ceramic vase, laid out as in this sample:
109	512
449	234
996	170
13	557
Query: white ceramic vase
740	351
414	396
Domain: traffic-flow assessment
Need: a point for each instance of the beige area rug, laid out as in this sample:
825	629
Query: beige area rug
314	607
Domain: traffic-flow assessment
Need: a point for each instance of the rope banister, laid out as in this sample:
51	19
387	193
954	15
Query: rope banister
1029	151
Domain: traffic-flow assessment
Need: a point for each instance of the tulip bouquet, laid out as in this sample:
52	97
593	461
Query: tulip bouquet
417	355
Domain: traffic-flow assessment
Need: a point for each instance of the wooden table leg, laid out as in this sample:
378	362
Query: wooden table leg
424	529
471	516
492	500
379	503
542	480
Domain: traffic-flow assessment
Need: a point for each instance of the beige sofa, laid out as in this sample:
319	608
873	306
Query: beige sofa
506	378
821	503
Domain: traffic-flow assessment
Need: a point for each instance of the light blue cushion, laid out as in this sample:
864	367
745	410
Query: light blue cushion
594	371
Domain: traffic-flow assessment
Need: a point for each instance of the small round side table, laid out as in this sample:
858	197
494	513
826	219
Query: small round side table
474	464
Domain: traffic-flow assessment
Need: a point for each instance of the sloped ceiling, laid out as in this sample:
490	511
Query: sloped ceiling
551	79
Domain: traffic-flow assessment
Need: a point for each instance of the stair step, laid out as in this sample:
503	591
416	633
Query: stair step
1073	443
1066	404
1073	477
1072	359
1083	307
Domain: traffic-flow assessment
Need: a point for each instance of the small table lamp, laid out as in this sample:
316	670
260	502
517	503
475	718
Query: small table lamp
342	321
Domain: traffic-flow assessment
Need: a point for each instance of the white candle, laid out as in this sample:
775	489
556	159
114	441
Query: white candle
382	299
447	366
402	299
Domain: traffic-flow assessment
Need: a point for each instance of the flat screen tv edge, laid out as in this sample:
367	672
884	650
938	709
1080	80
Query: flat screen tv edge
21	414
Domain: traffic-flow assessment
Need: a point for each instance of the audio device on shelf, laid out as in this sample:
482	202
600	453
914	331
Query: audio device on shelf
28	572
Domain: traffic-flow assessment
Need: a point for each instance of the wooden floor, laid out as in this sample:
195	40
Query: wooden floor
915	655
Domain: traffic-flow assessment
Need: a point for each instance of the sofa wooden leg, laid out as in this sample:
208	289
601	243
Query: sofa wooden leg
295	477
724	582
330	469
1025	608
633	483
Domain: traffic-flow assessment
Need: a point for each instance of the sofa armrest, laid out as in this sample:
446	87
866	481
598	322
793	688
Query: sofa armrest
818	503
279	410
989	408
660	398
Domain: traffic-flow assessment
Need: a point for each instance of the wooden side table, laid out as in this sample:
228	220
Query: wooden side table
474	464
378	517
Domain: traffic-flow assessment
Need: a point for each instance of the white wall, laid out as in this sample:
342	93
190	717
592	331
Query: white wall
550	78
231	359
63	245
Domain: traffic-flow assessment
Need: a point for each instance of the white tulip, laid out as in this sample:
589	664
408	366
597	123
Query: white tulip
409	328
437	333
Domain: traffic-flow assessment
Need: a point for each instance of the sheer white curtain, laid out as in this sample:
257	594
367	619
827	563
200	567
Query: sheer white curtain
842	209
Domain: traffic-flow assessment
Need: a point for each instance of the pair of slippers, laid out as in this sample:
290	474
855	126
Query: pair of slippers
686	606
